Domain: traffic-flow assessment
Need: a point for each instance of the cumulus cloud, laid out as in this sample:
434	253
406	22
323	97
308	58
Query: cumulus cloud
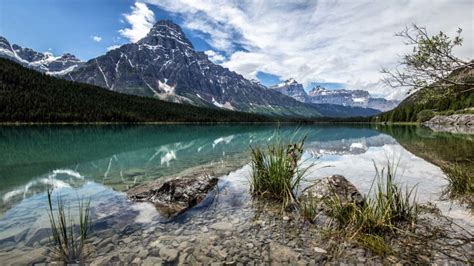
318	41
141	20
214	57
96	38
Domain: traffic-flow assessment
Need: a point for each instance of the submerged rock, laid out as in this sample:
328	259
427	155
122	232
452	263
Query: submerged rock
324	188
175	195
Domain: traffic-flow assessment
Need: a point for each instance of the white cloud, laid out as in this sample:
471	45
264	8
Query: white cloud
96	38
113	47
215	57
319	41
141	20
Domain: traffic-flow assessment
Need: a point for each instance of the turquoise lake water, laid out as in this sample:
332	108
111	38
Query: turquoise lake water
101	162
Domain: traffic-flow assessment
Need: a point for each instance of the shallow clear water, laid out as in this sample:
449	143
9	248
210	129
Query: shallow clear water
101	162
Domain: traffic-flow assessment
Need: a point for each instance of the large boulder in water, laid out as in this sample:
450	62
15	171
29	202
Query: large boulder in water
323	189
175	195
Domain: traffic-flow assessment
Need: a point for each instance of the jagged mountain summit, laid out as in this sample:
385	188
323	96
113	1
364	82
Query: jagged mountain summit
320	95
42	62
292	88
355	98
165	65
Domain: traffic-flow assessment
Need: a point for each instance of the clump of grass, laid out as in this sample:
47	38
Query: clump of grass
385	210
68	239
276	173
376	243
309	209
461	183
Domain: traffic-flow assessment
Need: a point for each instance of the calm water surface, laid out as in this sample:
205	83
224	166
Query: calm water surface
101	162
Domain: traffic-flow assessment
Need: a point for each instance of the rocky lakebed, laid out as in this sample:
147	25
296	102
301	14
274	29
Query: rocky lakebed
206	216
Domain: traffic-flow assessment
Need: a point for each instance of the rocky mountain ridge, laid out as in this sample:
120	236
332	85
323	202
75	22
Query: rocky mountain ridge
344	97
42	62
165	65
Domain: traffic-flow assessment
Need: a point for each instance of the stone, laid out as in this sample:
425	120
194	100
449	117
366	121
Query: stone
142	253
281	254
324	188
222	226
174	195
319	250
168	255
152	261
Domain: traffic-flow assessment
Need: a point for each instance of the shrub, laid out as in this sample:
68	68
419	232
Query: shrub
275	171
67	241
425	115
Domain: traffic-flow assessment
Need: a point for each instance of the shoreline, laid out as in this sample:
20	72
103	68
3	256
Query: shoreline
201	123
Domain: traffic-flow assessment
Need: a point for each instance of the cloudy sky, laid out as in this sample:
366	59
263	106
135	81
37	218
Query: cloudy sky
335	43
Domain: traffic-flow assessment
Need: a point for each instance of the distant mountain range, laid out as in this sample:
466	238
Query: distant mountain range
320	95
42	62
164	65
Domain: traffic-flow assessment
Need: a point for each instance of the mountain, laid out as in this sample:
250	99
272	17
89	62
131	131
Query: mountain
29	96
357	98
42	62
293	89
165	65
319	95
436	100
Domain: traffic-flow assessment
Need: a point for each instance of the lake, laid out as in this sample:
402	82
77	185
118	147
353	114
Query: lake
101	162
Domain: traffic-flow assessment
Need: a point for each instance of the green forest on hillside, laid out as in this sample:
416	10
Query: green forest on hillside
455	99
29	96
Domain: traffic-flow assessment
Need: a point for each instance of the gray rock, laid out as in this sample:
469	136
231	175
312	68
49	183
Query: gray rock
152	261
174	195
168	255
326	187
222	226
282	254
458	119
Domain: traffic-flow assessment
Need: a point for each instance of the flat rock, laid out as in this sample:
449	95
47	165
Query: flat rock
174	195
168	254
280	253
222	226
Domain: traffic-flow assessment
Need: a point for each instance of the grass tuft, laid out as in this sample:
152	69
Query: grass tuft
68	239
386	209
276	173
461	183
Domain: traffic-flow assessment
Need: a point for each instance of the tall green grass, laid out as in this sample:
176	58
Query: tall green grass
276	171
386	208
67	238
460	182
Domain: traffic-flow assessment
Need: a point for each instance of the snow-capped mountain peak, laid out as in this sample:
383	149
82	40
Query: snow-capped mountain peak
43	62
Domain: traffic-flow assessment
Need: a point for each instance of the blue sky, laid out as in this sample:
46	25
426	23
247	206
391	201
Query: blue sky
69	26
86	28
336	44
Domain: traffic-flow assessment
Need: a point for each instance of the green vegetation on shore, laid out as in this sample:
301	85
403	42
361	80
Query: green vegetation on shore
29	96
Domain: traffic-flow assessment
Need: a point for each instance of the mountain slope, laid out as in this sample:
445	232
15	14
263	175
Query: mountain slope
29	96
165	65
340	111
42	62
436	99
